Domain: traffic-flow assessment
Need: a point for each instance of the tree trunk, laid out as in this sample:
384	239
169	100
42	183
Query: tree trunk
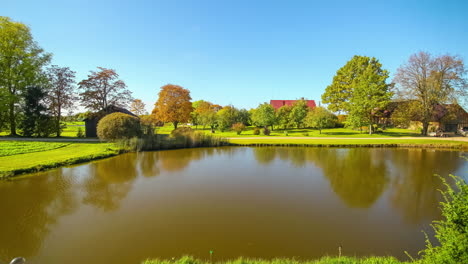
320	131
12	119
58	123
425	127
370	129
175	124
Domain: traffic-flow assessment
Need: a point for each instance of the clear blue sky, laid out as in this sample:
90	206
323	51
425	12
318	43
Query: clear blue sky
240	52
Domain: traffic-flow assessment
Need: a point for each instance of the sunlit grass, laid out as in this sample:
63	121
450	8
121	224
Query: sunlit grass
324	260
67	154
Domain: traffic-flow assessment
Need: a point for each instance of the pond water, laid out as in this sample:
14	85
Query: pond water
237	201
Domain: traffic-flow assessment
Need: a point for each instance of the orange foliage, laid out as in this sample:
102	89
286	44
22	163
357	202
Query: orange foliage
173	105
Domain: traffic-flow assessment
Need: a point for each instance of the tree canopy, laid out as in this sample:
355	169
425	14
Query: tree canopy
264	115
173	105
21	62
102	89
360	89
427	81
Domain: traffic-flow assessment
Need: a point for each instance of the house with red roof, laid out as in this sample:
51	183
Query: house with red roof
279	103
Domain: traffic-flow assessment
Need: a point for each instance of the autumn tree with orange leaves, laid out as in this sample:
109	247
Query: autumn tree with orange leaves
137	107
102	89
173	105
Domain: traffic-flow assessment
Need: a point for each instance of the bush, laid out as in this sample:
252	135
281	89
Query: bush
117	126
452	231
266	131
238	127
256	131
306	134
286	133
181	132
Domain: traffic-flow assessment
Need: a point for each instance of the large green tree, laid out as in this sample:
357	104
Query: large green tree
21	63
338	94
428	81
370	94
360	89
264	115
37	120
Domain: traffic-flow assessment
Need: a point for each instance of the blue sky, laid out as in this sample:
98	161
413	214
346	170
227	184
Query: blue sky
238	52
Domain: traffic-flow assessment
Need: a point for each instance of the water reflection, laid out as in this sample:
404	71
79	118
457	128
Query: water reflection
415	187
30	209
357	176
269	201
110	181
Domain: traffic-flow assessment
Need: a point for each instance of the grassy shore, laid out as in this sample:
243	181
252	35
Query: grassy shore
17	157
324	260
347	142
305	132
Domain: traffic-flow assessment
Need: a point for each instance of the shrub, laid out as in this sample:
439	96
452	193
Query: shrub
266	131
452	231
181	131
256	131
80	133
286	133
117	126
306	134
238	127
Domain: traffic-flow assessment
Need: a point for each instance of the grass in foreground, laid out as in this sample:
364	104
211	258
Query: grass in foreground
324	260
69	153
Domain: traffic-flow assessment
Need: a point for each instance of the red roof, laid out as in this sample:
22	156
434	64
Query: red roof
279	103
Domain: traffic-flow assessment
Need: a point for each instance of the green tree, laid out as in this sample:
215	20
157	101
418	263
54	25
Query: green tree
21	62
283	116
299	112
37	120
428	81
244	117
61	92
264	115
338	94
206	114
226	117
320	118
370	94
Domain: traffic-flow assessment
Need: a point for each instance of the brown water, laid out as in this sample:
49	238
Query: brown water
252	202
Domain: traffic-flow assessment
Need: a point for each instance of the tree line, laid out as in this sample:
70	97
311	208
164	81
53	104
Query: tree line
34	96
174	105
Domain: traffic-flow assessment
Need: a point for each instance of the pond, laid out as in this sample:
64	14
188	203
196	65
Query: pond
237	201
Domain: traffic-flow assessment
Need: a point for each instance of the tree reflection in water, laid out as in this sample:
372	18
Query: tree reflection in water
30	208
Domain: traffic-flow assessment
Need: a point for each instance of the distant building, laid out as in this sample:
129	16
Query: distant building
92	120
279	103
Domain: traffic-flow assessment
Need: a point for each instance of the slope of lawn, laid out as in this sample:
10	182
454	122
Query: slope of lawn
70	153
8	148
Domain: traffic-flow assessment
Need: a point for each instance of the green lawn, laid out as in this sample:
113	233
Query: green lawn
34	159
304	132
71	129
348	141
9	148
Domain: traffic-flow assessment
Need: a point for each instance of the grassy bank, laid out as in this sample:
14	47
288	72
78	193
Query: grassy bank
17	157
429	143
324	260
